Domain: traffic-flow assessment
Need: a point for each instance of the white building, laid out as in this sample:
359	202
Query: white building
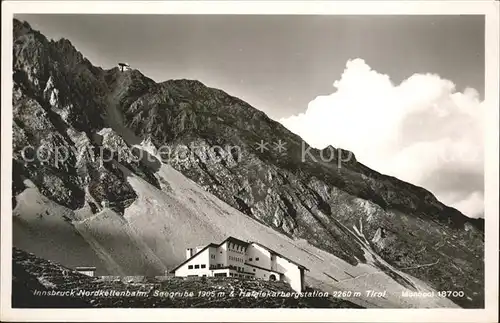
237	258
124	66
89	271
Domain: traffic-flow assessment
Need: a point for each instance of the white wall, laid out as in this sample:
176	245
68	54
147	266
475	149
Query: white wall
235	255
201	259
260	273
255	251
87	272
292	273
221	255
212	256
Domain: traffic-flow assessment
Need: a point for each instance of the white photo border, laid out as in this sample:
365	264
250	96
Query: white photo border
488	8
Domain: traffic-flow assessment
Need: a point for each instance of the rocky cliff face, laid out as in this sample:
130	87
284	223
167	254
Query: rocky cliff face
234	152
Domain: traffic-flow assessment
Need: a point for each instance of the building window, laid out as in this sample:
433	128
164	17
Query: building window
190	267
254	269
219	265
257	259
203	266
250	259
204	275
196	266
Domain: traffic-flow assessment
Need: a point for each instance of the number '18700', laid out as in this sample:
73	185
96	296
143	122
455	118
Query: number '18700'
449	293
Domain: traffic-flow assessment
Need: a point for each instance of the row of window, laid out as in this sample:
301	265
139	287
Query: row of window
235	247
236	259
256	259
197	266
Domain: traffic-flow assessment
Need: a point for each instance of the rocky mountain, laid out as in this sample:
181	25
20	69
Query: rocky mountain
132	171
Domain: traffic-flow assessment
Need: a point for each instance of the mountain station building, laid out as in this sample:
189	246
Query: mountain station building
236	258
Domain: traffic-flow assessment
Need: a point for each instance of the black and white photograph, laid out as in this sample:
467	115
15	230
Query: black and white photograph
263	160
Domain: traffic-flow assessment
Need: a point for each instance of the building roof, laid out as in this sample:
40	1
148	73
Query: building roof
277	253
85	268
214	245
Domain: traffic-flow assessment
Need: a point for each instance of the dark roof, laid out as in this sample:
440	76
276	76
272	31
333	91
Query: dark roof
214	245
277	253
85	268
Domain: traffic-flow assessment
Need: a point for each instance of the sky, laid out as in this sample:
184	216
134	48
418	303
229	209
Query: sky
404	93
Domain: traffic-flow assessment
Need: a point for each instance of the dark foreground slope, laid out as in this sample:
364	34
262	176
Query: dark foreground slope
338	204
39	283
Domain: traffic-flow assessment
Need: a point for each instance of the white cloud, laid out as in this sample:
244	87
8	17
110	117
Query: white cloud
422	131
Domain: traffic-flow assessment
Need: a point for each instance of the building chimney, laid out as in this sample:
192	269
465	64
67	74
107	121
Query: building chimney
189	253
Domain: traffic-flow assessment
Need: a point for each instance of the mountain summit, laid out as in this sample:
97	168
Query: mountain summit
115	170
